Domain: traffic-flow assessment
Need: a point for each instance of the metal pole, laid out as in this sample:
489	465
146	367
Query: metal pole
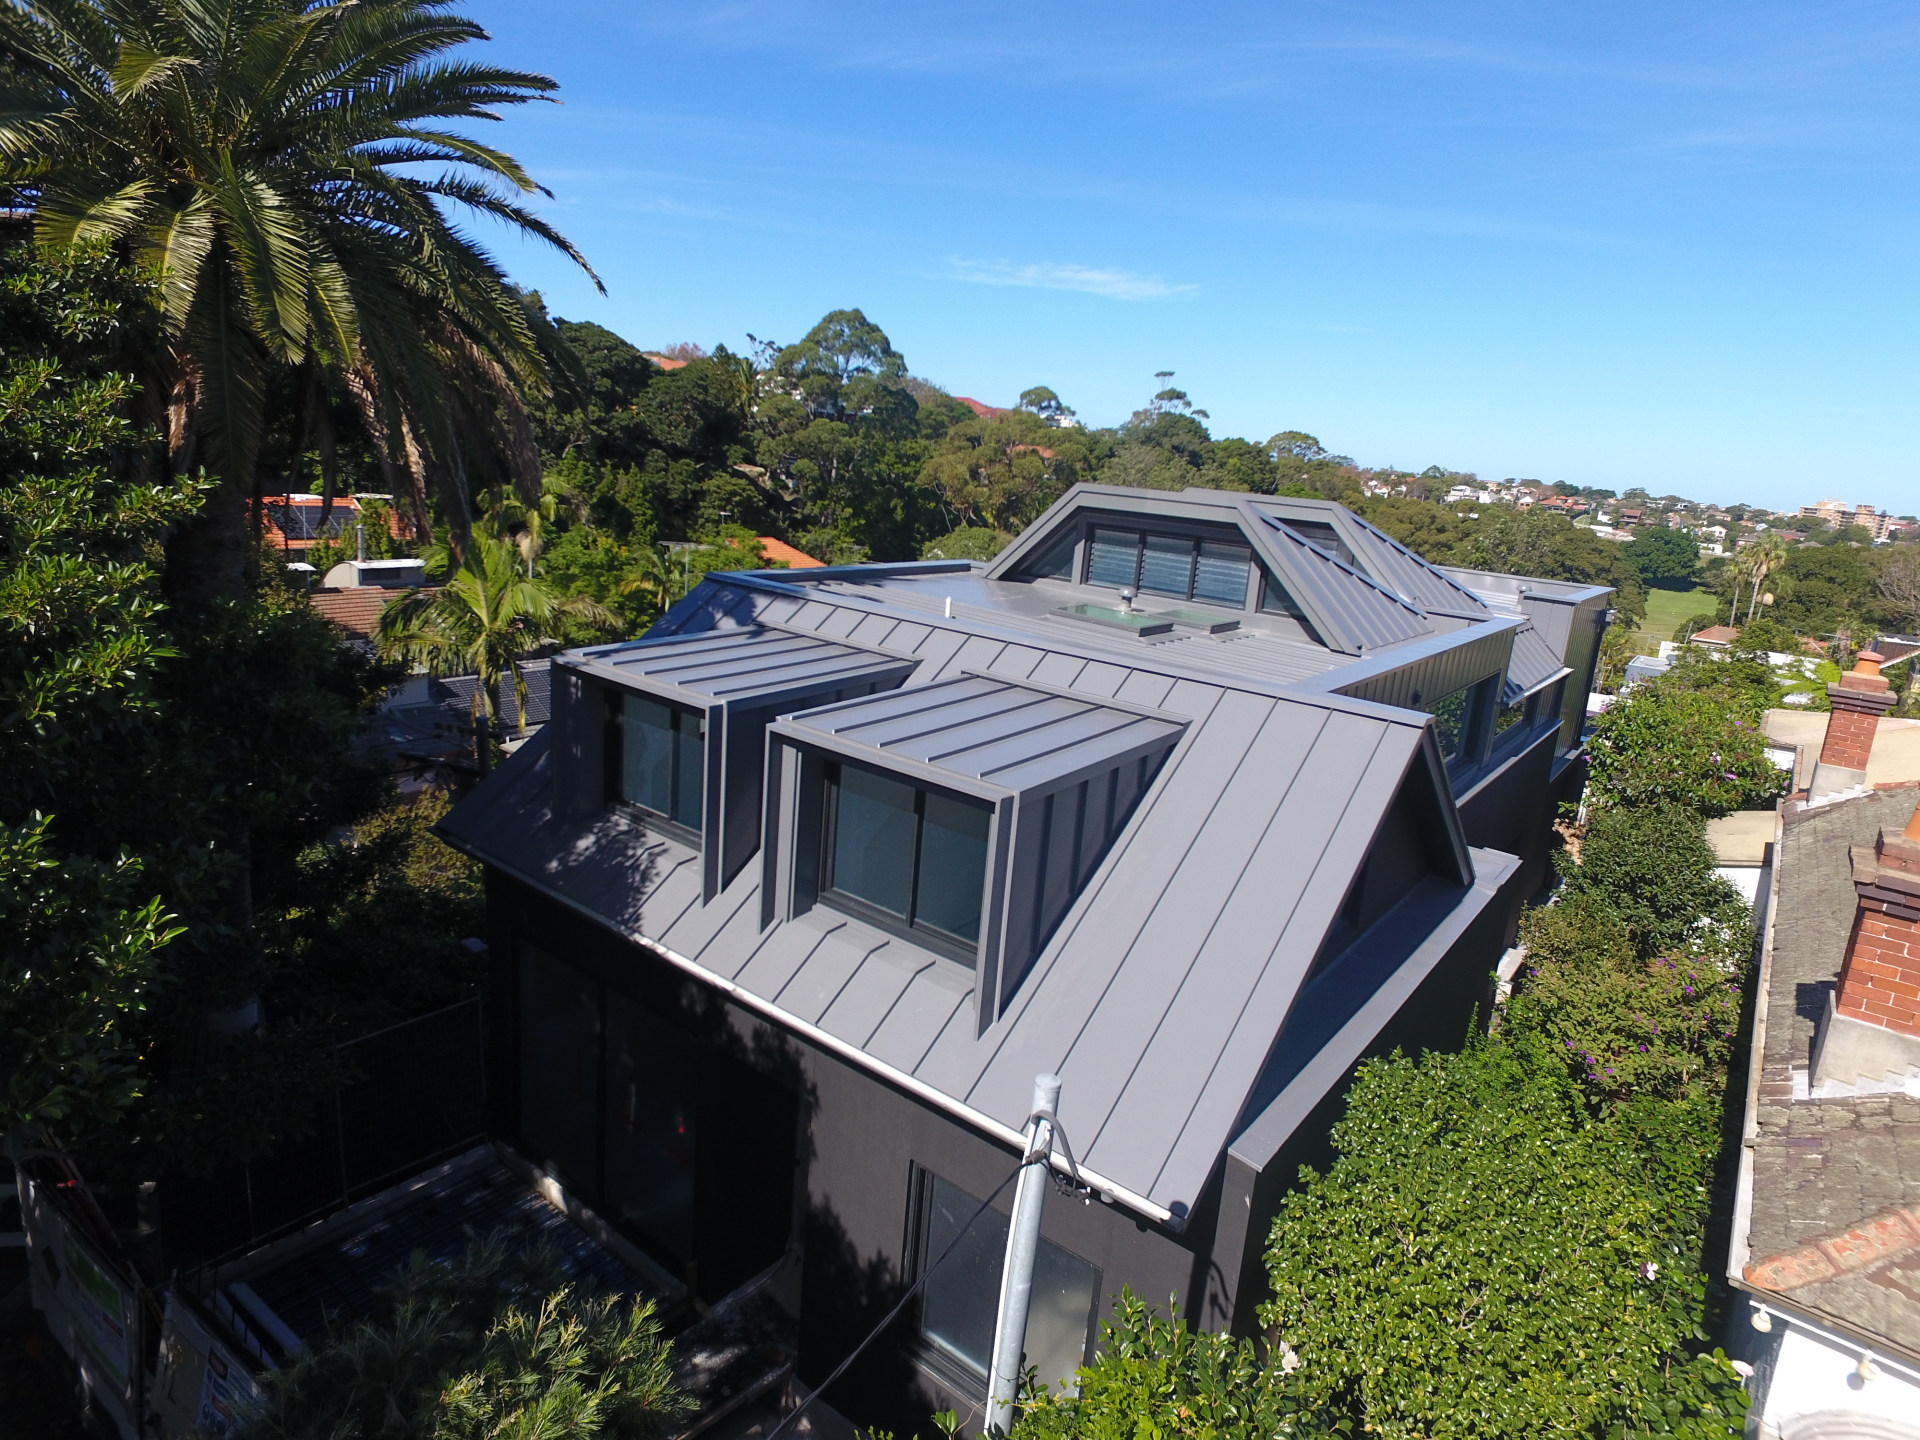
1023	1239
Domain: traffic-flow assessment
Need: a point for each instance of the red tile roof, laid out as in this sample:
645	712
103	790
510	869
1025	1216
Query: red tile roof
985	412
665	362
1716	635
356	610
772	549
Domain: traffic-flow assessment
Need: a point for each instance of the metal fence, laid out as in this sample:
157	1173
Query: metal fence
419	1096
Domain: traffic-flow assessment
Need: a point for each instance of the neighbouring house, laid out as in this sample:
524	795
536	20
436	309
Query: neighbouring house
1195	799
1715	637
293	522
1826	1233
1629	519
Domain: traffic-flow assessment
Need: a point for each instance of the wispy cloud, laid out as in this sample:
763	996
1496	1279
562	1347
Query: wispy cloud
1088	279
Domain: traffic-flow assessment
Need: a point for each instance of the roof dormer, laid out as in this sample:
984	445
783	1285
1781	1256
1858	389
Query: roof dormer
673	730
962	817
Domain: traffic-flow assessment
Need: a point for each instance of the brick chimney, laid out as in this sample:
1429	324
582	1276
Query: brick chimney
1872	1025
1858	702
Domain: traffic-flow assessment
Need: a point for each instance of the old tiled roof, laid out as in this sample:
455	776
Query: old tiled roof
357	610
772	549
1835	1182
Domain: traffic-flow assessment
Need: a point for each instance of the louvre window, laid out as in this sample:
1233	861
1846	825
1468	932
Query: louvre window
906	854
1176	566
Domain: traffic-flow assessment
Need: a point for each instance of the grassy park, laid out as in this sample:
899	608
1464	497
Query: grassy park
1668	610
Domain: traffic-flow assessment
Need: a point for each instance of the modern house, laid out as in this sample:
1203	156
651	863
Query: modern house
1195	799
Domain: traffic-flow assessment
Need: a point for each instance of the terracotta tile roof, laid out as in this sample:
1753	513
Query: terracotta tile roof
985	412
665	362
355	611
794	559
1716	635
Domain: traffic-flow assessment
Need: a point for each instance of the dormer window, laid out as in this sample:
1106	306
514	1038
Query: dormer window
681	728
963	817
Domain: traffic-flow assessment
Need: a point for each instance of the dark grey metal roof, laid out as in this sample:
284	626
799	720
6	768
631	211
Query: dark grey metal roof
456	691
1405	573
989	731
737	664
1162	989
1351	611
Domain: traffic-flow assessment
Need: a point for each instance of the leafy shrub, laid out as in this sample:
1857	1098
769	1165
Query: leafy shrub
1653	868
1581	929
490	1345
1664	1028
1486	1259
1668	744
1156	1378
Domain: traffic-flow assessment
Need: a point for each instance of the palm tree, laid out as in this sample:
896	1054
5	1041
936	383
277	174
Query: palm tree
484	621
262	158
1769	554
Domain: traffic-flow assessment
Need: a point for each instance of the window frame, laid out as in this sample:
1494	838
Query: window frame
616	759
927	936
942	1361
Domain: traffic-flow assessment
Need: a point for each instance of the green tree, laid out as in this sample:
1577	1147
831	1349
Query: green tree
1000	472
483	621
1652	866
1668	743
492	1345
1154	1376
1663	559
262	156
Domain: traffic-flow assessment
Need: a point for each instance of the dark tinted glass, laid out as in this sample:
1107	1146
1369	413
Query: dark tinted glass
559	1065
1275	598
1057	562
651	1066
1114	559
646	774
689	760
1167	566
953	865
663	758
1221	574
872	845
962	1295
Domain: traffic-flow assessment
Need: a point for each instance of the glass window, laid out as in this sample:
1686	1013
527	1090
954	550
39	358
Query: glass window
962	1293
913	855
873	834
1459	716
1276	599
662	759
651	1067
1221	573
559	1065
1057	562
1324	535
1114	559
1167	566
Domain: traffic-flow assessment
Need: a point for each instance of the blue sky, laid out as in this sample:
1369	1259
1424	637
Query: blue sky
1646	244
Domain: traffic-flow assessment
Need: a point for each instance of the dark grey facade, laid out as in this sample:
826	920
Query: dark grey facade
794	897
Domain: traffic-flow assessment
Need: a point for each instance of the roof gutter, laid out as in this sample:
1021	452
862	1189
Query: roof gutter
1007	1135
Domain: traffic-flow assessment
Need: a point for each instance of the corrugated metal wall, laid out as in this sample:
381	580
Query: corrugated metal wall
1425	680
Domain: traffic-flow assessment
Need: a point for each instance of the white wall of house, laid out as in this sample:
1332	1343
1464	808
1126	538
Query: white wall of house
1814	1390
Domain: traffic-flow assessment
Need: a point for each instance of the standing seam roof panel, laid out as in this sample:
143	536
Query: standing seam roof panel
1364	613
